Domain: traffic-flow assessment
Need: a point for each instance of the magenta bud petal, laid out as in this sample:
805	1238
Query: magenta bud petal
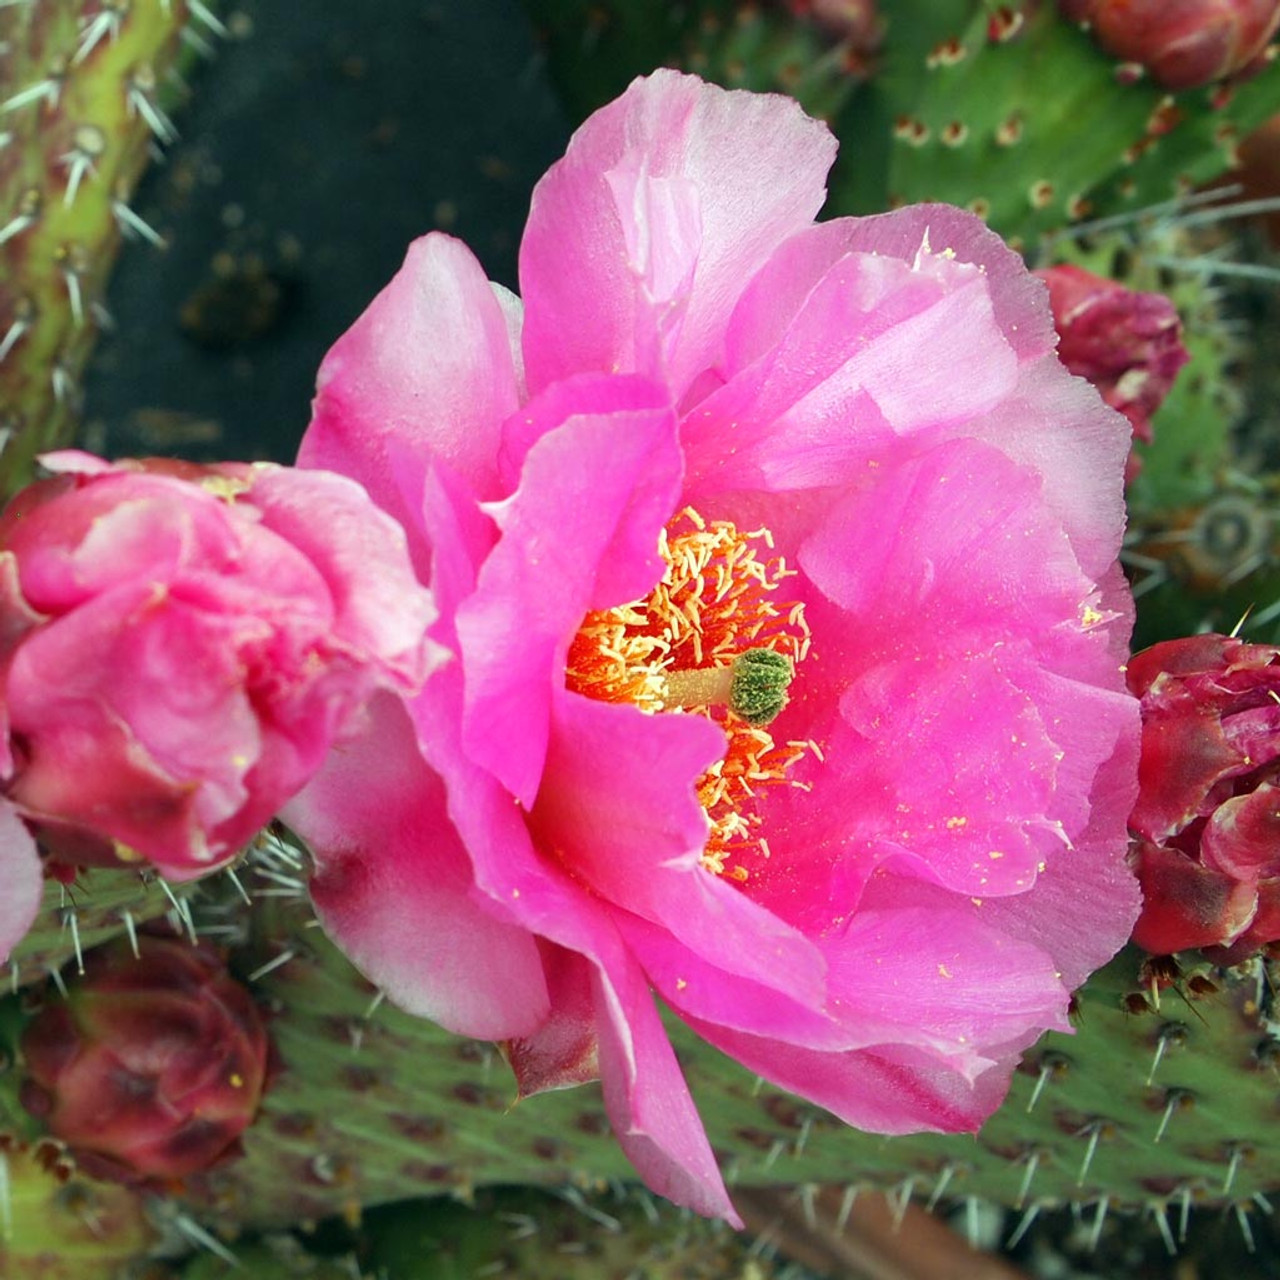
184	643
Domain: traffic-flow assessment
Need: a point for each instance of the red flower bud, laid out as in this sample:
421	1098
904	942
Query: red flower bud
1128	344
1182	43
1208	811
152	1067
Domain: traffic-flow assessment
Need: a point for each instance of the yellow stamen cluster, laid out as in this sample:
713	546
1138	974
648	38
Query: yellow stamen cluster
716	599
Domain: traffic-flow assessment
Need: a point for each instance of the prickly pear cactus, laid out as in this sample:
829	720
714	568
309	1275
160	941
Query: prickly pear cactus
1162	1098
84	88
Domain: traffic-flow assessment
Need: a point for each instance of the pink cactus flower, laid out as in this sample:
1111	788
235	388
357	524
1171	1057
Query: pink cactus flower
153	1066
1207	819
1127	343
777	561
1182	43
182	644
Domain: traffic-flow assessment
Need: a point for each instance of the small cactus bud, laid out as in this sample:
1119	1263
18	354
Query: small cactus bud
1128	344
1182	43
1208	812
152	1067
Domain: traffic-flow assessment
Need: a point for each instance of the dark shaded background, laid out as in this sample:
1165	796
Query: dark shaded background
321	139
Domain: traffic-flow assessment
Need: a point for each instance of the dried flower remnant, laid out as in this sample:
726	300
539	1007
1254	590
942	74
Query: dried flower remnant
1208	812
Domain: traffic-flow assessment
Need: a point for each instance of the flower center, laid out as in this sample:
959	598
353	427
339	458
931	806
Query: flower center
711	638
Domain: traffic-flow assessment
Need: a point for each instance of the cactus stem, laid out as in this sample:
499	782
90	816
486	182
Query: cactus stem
1160	1215
1024	1225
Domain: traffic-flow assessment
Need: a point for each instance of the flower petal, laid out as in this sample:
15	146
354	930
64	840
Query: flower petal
618	810
594	493
648	1102
639	240
393	885
428	366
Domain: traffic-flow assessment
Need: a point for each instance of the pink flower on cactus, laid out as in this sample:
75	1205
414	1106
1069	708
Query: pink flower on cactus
153	1066
1127	343
181	645
1207	819
1182	43
778	565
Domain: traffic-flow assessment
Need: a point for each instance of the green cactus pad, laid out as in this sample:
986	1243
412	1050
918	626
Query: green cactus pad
979	99
373	1105
100	905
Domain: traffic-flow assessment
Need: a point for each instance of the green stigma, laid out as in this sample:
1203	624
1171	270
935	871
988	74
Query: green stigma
758	690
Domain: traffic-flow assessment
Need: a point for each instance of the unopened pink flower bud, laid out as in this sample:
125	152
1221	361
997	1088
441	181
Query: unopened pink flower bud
1207	818
1127	343
180	646
153	1066
1182	43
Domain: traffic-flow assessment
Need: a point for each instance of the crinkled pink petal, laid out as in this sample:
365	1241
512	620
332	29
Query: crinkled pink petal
972	986
700	988
102	736
379	607
628	824
893	1090
23	882
428	366
123	529
393	886
595	491
640	239
869	356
